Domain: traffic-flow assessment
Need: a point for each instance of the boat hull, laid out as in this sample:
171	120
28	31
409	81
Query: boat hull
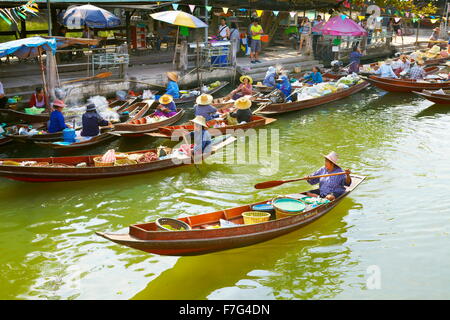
55	174
436	98
278	108
202	241
394	85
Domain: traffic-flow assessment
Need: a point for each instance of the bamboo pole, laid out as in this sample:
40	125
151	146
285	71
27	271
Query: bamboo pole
44	83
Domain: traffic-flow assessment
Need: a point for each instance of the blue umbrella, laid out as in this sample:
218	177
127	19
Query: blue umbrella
91	16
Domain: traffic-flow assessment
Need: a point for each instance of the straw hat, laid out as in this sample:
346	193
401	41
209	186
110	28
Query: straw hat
437	29
200	120
333	157
388	61
204	99
166	99
259	84
250	80
243	103
172	76
59	103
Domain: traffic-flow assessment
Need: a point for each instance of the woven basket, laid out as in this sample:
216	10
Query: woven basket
98	162
252	217
174	223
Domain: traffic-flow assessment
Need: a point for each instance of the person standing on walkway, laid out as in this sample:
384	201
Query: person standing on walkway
305	36
235	39
224	31
316	35
256	31
355	60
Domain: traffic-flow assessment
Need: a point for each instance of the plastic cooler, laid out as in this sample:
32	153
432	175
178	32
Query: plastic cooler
69	135
220	60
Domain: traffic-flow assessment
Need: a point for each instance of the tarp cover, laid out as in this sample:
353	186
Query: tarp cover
339	26
28	47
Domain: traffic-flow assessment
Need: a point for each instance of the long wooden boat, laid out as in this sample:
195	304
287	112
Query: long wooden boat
397	85
139	127
257	121
61	145
64	168
20	115
434	97
428	71
136	110
5	140
181	101
277	108
200	240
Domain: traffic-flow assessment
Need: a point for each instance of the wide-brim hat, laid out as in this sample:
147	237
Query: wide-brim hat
333	157
172	76
243	103
199	120
90	107
59	103
388	61
204	99
250	80
166	99
437	29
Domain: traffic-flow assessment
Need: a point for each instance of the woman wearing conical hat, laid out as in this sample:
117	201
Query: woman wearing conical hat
244	89
172	85
332	187
200	137
243	112
167	107
204	108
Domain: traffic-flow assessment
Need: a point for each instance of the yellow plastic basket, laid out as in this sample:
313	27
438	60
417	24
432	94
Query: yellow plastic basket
252	217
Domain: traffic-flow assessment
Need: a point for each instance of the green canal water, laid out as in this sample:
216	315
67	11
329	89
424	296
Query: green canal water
388	240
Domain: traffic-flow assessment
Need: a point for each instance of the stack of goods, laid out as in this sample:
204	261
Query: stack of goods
154	119
188	94
434	53
367	68
23	130
34	110
324	88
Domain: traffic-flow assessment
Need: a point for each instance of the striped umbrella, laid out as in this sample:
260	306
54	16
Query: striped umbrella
91	16
179	18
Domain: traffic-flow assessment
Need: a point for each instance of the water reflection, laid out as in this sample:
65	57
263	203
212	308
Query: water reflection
434	110
307	263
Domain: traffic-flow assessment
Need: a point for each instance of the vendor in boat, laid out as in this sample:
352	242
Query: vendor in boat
417	72
204	108
284	85
314	77
269	79
243	114
91	121
332	187
385	70
166	108
38	99
201	137
355	60
244	89
172	85
3	98
405	65
57	122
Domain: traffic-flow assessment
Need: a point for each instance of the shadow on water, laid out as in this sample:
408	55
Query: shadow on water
306	263
433	110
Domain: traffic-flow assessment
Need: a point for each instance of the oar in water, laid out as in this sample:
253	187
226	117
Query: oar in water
98	76
275	183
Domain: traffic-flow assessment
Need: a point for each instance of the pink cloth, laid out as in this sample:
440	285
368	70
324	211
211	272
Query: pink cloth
336	26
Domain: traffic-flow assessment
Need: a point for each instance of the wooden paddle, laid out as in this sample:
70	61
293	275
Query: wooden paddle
98	76
275	183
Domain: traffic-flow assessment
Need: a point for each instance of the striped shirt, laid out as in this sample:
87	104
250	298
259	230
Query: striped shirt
328	185
417	73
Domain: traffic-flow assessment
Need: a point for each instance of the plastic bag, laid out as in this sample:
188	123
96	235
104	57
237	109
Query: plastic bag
147	95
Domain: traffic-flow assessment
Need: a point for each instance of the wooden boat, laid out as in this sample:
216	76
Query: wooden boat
227	102
398	85
277	108
428	70
137	110
5	140
20	115
64	168
60	145
181	101
139	127
434	97
200	240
